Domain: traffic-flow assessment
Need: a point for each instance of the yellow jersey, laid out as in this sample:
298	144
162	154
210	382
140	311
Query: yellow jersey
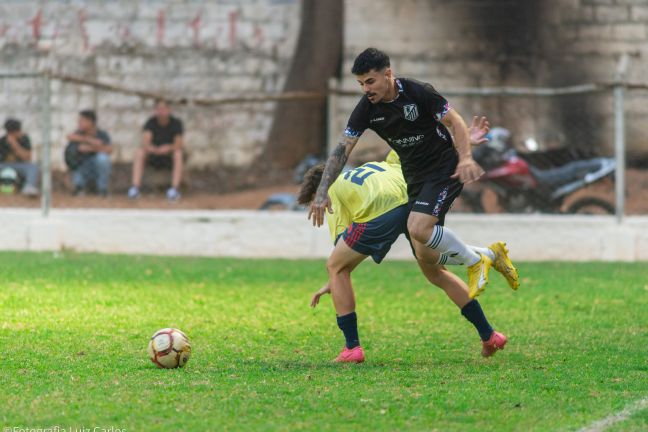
364	193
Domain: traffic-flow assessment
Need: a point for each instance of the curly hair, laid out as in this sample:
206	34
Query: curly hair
311	182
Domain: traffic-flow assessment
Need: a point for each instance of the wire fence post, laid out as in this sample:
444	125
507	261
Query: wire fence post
332	107
619	137
46	172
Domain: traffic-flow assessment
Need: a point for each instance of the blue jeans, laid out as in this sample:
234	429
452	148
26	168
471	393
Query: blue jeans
27	170
96	167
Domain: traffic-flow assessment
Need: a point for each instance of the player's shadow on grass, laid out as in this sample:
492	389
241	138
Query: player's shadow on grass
295	368
305	365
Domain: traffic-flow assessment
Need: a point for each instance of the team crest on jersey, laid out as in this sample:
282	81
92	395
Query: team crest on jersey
411	112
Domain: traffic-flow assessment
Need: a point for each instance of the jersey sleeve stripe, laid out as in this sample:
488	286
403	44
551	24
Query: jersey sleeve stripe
351	133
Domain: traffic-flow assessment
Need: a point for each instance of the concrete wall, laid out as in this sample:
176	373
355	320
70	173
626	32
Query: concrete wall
289	235
518	43
197	48
181	48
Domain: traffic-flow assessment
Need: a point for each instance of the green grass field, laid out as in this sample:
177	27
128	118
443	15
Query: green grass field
74	330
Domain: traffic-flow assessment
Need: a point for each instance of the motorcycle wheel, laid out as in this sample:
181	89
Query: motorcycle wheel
590	205
472	201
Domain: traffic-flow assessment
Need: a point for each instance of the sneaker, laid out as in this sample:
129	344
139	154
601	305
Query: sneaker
353	355
173	194
133	192
29	190
78	191
503	264
478	276
496	342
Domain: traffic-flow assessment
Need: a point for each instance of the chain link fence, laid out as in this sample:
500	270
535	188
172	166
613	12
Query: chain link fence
25	140
87	140
636	194
552	150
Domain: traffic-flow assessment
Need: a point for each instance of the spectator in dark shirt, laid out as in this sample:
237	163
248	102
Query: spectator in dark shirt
90	150
15	153
162	148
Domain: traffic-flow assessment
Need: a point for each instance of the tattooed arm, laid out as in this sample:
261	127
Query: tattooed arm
334	166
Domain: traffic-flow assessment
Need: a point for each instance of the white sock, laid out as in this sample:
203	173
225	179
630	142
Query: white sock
444	241
484	251
447	259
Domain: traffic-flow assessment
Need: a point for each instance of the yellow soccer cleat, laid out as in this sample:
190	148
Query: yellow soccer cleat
503	264
478	276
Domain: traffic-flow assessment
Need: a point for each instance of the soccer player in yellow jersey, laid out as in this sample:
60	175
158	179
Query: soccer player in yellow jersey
433	143
370	210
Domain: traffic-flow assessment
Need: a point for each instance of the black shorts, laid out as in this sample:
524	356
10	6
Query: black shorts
435	197
376	237
160	161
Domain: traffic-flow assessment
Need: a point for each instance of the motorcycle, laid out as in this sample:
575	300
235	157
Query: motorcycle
521	187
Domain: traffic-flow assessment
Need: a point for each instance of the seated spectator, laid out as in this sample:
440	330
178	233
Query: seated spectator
88	155
162	148
15	152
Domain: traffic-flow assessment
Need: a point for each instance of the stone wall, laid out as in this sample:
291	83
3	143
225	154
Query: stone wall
468	43
198	48
180	48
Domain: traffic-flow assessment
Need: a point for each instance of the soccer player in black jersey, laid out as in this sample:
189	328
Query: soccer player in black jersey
432	142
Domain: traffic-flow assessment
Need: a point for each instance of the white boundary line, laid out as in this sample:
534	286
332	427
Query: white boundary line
624	414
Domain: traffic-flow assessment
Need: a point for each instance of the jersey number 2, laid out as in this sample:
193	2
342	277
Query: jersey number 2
360	174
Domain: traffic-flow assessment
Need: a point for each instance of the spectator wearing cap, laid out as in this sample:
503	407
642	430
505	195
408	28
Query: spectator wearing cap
88	155
15	153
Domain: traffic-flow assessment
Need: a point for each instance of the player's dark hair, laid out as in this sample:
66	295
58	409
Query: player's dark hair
311	182
368	60
159	101
12	125
90	115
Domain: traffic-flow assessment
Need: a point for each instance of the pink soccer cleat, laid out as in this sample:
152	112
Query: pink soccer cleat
353	355
496	342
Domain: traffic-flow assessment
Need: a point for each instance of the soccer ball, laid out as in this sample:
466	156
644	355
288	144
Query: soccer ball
169	348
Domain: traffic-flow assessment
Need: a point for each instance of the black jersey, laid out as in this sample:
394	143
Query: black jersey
162	135
411	125
6	152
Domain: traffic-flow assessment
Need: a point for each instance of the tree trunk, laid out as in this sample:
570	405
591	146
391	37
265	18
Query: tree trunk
299	127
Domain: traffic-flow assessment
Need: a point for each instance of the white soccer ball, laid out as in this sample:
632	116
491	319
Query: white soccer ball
169	348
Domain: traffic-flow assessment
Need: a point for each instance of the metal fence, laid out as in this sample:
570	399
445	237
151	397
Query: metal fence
571	139
224	134
552	130
29	93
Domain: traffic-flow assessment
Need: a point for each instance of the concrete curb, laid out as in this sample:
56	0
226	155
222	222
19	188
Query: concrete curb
254	234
